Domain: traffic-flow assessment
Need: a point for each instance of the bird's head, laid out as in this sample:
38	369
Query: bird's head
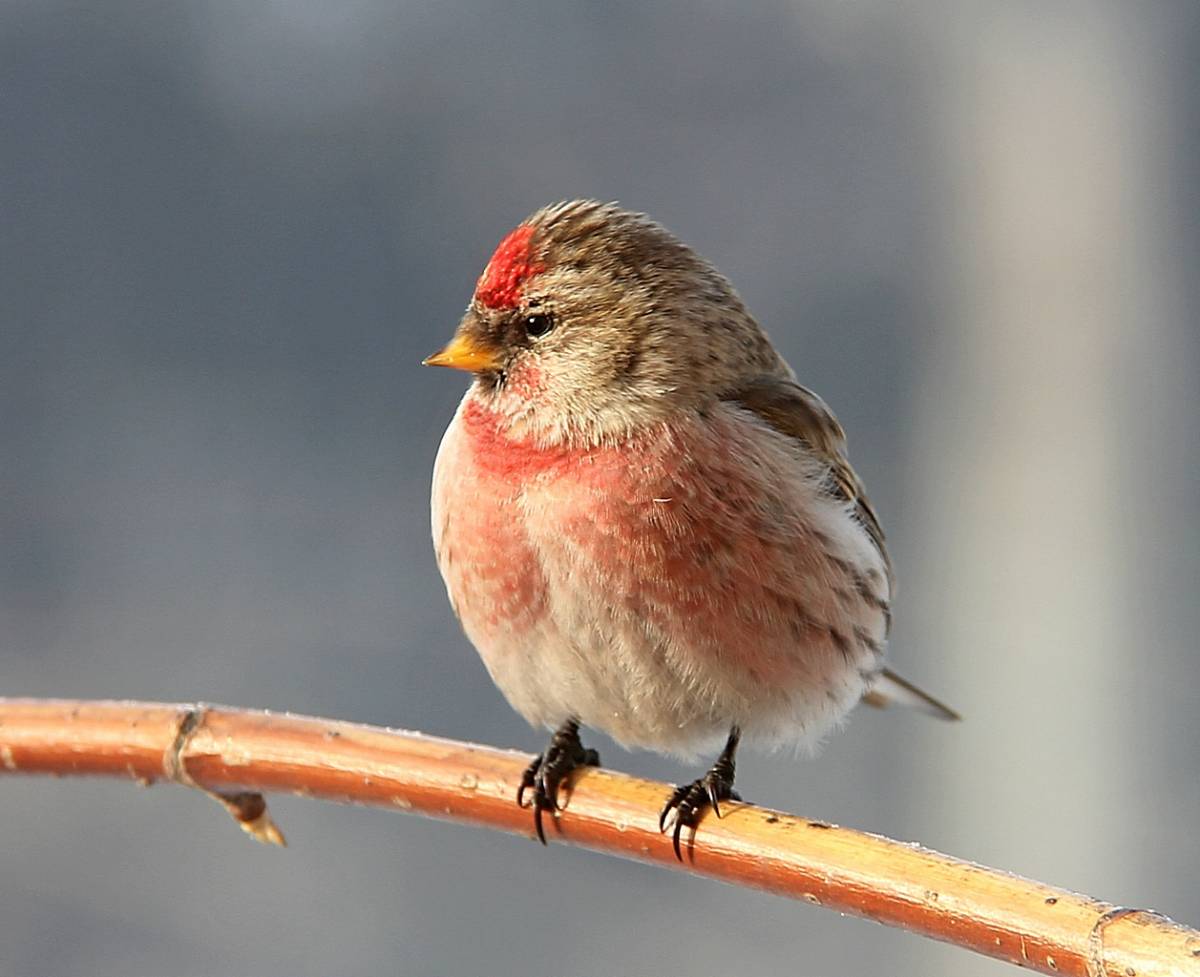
590	321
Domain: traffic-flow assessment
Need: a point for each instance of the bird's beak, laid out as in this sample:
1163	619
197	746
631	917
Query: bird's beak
465	354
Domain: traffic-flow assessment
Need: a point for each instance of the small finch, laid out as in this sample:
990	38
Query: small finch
644	523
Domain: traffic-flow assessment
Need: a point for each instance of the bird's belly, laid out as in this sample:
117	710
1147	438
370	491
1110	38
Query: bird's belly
661	600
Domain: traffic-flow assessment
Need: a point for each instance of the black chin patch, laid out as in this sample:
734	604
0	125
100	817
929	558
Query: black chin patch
491	381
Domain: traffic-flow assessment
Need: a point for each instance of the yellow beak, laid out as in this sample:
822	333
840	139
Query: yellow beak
463	354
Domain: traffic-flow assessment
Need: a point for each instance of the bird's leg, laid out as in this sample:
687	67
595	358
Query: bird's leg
548	770
688	802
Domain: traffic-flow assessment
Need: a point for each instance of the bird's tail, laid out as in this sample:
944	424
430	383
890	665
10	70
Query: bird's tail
890	689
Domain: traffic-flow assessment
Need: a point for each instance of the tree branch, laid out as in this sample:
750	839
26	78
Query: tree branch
227	752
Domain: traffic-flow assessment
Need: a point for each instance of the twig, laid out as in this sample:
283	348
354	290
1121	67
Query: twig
223	750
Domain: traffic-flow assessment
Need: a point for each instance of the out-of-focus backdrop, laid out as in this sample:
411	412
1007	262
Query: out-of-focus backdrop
230	231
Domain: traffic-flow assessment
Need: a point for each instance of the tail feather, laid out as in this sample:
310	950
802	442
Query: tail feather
890	689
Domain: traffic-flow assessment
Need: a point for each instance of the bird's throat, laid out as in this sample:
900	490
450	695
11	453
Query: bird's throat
504	444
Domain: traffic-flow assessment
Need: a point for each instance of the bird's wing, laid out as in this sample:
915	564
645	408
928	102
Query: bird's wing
799	413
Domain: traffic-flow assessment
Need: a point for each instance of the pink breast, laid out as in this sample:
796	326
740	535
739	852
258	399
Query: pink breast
691	534
492	572
703	539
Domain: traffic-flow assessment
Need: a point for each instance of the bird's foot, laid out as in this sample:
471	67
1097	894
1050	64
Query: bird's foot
548	770
688	802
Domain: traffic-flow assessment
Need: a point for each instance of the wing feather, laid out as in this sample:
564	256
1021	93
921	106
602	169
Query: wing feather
799	413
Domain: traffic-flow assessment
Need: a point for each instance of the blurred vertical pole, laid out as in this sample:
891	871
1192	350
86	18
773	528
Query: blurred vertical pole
1026	483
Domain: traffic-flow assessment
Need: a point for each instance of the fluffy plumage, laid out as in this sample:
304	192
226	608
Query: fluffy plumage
643	521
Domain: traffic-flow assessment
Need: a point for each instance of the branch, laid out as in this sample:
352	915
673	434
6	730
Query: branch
227	752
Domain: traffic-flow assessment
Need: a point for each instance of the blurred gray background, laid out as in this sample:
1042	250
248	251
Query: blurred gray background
230	231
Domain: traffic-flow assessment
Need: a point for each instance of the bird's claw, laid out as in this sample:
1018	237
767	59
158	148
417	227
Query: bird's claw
548	770
688	802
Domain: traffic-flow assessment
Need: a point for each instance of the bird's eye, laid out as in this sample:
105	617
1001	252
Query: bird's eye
537	325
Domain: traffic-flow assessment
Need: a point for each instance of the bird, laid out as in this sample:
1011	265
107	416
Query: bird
645	524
